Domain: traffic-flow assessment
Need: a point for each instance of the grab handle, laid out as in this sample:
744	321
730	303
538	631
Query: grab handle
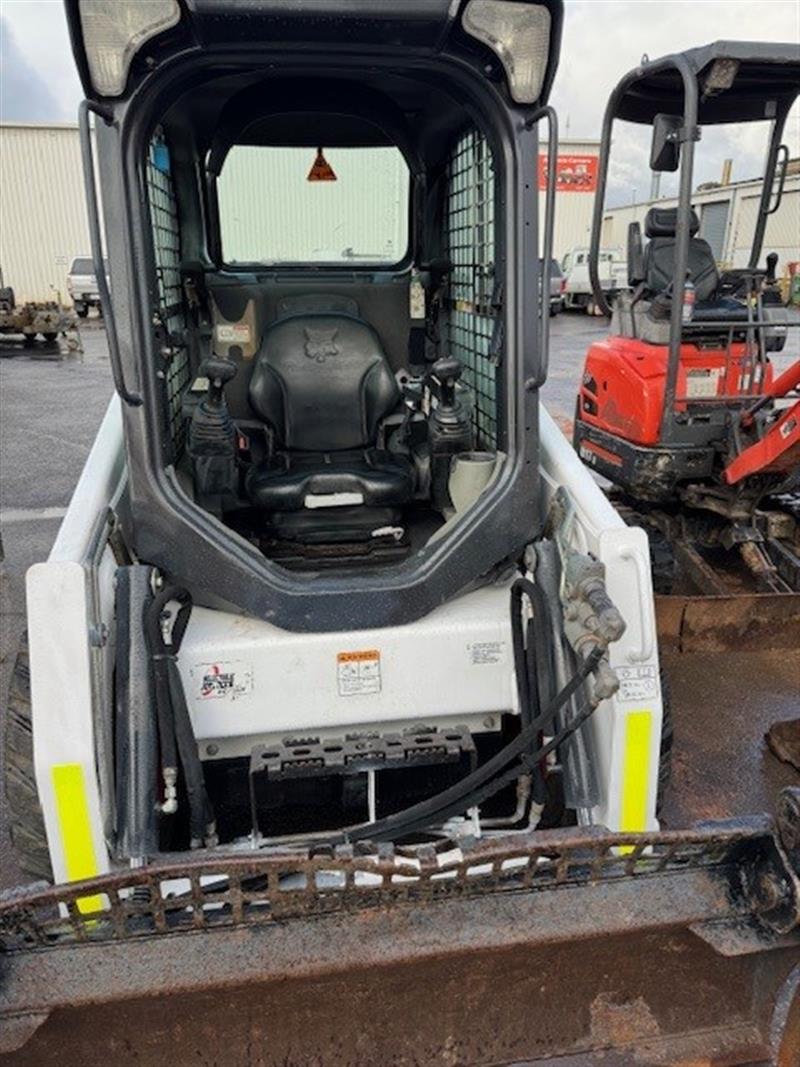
87	156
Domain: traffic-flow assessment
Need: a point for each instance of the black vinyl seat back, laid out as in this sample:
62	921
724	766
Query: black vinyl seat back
321	379
636	271
659	255
323	384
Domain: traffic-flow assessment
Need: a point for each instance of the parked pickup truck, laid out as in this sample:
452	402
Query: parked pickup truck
82	285
557	283
578	287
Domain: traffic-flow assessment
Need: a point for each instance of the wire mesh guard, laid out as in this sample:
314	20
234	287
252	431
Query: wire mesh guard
471	318
167	248
252	888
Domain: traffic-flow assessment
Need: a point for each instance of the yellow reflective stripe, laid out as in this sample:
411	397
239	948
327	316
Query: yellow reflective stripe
636	771
75	825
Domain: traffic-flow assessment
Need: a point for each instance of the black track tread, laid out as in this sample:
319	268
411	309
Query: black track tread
25	819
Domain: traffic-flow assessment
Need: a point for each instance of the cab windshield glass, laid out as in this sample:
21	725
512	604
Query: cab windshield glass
271	210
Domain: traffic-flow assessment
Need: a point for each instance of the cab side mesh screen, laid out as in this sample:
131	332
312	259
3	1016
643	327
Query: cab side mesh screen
167	248
471	319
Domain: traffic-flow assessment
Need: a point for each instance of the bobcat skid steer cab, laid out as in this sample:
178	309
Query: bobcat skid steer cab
344	695
689	405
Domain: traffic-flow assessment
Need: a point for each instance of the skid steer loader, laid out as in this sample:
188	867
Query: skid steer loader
345	739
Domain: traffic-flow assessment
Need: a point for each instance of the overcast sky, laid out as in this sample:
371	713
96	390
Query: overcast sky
602	40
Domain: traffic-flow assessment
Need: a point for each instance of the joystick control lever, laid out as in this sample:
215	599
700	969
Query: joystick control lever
212	440
219	372
447	372
449	427
772	263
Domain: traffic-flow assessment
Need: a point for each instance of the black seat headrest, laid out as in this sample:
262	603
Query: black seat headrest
662	221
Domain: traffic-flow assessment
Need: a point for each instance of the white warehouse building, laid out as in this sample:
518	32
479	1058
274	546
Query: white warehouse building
728	216
43	224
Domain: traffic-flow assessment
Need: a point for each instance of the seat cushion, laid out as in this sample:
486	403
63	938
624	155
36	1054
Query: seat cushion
336	526
291	481
659	263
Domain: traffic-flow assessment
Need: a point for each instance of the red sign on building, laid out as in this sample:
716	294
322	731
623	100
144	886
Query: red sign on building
574	174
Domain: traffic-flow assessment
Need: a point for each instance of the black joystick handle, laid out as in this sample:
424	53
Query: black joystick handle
447	372
772	263
219	372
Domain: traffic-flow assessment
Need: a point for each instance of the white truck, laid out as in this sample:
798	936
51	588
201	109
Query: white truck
578	287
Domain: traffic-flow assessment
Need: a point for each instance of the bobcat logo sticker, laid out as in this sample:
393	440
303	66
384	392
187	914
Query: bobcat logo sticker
320	344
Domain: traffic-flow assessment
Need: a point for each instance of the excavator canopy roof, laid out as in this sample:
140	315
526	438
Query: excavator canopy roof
738	81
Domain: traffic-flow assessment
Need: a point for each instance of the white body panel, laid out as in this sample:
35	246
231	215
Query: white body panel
625	552
456	664
453	666
575	265
67	597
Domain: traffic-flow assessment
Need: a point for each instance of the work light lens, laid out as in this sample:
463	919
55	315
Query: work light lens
114	30
519	33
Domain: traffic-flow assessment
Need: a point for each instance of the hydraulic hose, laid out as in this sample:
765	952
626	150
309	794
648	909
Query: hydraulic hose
508	776
174	724
531	658
462	795
166	722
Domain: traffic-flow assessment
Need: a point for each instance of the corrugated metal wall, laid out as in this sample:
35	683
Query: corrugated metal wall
782	234
43	222
43	218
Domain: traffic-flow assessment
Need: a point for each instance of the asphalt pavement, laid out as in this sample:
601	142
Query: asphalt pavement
49	414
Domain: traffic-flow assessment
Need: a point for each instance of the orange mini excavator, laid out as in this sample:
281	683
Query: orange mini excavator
688	405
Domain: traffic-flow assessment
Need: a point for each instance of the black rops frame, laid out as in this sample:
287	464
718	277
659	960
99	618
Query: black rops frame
196	550
689	73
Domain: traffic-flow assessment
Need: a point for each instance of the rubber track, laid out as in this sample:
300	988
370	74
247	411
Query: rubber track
25	819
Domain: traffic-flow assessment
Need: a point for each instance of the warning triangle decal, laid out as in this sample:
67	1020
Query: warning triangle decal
321	171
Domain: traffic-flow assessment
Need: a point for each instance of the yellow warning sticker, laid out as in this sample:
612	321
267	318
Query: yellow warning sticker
636	770
358	672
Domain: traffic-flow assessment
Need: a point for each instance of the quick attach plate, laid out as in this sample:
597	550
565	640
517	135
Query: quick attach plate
309	757
357	760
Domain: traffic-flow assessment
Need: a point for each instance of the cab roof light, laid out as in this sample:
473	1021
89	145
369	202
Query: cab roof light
519	34
114	31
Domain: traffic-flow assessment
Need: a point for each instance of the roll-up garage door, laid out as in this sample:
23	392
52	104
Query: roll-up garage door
713	220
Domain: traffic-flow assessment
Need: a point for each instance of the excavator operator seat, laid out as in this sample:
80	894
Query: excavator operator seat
659	255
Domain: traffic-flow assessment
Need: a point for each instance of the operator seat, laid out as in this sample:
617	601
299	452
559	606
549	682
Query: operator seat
659	261
322	384
660	224
659	255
